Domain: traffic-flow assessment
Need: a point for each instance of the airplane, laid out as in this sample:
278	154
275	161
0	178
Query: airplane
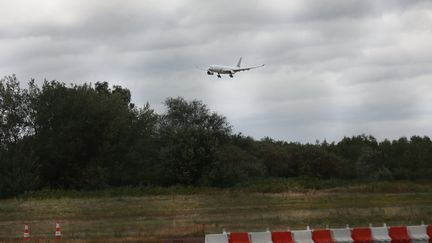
228	70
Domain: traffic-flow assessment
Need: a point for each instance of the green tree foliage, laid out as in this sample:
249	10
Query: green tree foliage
409	158
234	165
279	158
15	110
140	163
315	162
190	135
18	168
369	163
351	148
17	160
92	136
83	134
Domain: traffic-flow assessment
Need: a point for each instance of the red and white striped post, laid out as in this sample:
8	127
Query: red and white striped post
26	235
58	234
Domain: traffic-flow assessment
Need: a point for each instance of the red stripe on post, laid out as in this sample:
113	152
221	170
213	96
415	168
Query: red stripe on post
322	236
399	234
239	237
282	237
362	235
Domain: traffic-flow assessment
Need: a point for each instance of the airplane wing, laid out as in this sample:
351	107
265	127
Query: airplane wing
247	68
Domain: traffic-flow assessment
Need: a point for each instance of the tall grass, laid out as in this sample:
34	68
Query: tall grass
272	185
306	184
118	192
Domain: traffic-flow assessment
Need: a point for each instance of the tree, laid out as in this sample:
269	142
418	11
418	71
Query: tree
82	134
318	163
190	135
278	158
234	165
18	168
140	163
15	110
370	164
352	148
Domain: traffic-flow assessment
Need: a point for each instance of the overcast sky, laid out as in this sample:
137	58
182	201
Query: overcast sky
333	68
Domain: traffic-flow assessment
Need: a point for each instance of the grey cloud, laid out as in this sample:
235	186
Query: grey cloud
334	67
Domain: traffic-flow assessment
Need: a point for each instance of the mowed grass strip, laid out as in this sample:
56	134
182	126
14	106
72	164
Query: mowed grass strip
159	217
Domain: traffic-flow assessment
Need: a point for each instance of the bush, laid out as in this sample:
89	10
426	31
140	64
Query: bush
234	165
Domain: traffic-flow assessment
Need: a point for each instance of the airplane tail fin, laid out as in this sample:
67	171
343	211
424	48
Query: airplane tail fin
239	62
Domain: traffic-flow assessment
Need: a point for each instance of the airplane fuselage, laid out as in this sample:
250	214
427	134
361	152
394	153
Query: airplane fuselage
221	69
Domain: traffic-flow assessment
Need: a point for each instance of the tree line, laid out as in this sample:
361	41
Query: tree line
92	136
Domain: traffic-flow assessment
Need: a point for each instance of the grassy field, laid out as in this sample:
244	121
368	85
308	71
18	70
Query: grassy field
129	215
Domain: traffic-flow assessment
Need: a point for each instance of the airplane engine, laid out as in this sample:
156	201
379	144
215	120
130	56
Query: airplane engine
209	73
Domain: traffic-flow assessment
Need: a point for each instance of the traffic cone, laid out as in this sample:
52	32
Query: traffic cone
26	232
58	232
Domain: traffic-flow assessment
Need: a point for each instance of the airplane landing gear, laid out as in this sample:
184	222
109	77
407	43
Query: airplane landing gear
219	76
231	76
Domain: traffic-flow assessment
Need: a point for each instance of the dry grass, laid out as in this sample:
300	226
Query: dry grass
152	218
